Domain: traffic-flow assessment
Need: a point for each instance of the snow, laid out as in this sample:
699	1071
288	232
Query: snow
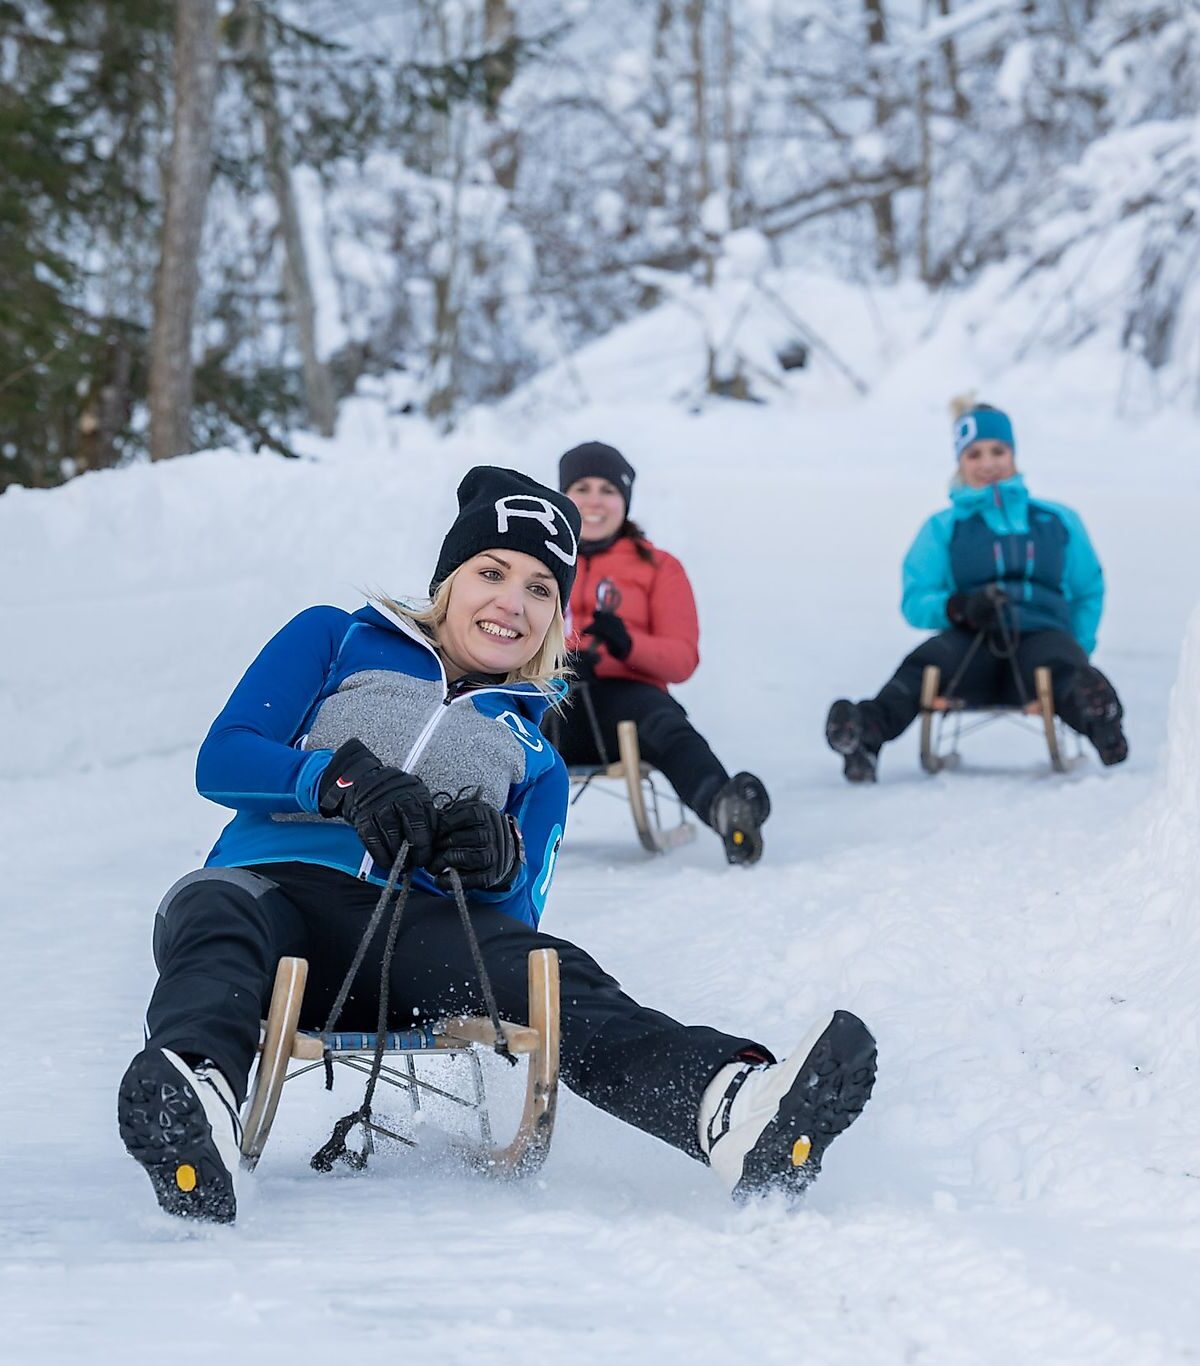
1022	1187
941	30
1015	71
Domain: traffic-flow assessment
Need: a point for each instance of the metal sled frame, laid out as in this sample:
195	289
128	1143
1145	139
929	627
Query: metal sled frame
282	1043
640	791
936	710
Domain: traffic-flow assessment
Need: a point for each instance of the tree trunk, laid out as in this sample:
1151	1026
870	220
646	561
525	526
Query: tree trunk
503	138
887	257
733	148
703	173
657	160
108	404
950	55
925	162
446	265
318	385
189	172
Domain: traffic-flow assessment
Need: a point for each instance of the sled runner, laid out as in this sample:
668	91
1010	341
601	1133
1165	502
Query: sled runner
637	786
282	1044
940	711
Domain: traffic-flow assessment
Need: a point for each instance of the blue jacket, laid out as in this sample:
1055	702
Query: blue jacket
1038	551
329	676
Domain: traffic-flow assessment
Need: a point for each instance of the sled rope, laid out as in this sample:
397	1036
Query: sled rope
335	1148
1010	637
485	983
962	668
361	952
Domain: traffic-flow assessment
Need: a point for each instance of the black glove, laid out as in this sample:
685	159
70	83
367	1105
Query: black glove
481	844
978	610
610	629
385	805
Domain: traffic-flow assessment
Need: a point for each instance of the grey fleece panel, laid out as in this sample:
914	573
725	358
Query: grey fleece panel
470	750
384	709
387	711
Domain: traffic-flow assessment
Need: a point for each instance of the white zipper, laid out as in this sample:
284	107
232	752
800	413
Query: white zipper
422	741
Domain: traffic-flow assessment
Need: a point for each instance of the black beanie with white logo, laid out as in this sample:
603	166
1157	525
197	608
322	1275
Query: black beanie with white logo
595	460
502	509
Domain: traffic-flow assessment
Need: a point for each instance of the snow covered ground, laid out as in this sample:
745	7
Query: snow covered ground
1025	1185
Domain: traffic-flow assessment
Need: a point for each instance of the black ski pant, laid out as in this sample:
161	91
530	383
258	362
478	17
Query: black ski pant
666	737
220	933
981	676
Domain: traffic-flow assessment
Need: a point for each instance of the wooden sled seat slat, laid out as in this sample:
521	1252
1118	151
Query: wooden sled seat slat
588	773
459	1032
956	704
933	704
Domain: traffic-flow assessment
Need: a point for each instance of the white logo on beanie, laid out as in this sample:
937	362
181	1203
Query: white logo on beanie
544	512
965	433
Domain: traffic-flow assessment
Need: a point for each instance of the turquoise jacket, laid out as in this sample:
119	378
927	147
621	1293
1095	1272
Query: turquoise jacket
1038	552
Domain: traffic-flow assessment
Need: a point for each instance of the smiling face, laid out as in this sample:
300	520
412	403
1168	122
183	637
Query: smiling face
600	505
501	605
986	462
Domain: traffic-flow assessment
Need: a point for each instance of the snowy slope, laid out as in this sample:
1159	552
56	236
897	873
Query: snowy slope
1024	1186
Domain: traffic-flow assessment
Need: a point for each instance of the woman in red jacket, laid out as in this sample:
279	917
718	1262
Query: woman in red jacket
633	629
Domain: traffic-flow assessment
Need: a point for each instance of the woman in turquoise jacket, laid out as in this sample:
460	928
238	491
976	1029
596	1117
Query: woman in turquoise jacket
1018	569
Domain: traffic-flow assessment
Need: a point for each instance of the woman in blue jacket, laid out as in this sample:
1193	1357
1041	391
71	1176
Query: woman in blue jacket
352	736
1020	569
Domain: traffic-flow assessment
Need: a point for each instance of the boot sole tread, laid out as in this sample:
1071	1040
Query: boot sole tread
828	1095
164	1127
740	818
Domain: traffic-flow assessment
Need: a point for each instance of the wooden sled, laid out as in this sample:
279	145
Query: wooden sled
936	710
282	1043
640	791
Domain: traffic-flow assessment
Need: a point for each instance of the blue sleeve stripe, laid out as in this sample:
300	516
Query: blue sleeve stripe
310	778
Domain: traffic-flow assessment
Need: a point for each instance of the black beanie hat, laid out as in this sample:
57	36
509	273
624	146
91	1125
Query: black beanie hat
504	508
596	459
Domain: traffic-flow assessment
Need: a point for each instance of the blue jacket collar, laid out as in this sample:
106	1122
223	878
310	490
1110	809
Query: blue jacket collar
534	700
1010	494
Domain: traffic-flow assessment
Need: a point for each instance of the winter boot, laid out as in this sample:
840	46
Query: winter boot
1100	711
765	1126
739	809
853	731
181	1124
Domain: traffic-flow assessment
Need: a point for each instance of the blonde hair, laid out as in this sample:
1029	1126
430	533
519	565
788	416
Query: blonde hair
543	670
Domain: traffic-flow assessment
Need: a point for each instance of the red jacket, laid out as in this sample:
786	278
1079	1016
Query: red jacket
657	607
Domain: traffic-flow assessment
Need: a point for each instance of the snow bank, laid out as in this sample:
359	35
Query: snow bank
1167	858
1183	764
